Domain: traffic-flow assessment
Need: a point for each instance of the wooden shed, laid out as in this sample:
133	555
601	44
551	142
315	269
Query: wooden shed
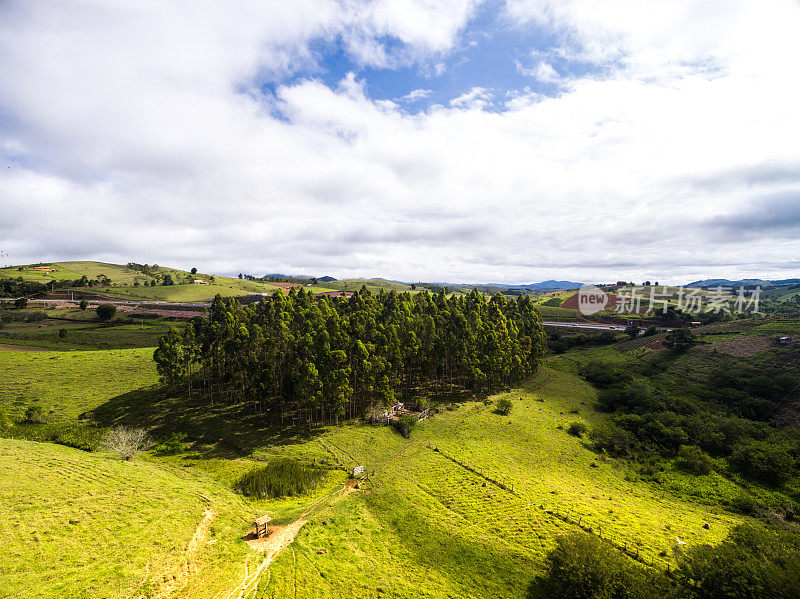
261	526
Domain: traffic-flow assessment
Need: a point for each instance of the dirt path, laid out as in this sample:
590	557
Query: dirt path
179	576
280	538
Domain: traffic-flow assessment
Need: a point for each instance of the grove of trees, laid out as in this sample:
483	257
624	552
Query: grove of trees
314	359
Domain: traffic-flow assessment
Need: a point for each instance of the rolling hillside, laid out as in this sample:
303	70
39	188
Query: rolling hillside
467	507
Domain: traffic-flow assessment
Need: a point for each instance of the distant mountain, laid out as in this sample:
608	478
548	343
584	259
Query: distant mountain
742	282
327	279
543	286
551	284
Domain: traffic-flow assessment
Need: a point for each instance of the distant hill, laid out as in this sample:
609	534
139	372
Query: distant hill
742	282
327	279
544	285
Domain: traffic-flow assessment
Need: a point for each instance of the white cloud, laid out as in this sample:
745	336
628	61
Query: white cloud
142	133
543	71
477	97
416	94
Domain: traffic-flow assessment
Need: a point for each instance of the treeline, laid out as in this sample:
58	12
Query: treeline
314	359
19	287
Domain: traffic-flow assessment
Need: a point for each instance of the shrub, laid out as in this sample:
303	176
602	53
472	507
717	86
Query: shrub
612	438
754	561
694	460
35	316
87	438
5	420
126	442
280	478
106	311
84	304
680	339
604	375
577	429
584	567
746	504
34	415
404	424
763	461
21	302
503	406
174	444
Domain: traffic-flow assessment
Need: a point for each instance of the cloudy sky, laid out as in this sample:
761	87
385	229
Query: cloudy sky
452	140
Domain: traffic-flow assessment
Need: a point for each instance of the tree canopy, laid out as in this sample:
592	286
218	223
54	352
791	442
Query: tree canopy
313	359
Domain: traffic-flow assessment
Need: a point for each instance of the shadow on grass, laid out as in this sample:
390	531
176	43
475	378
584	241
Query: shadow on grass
218	431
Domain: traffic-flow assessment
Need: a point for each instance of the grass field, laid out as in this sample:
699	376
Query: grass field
468	507
75	524
82	330
66	384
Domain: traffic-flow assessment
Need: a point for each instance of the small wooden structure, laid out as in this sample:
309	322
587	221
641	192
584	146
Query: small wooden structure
261	526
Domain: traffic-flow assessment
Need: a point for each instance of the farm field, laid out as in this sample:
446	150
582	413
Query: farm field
468	506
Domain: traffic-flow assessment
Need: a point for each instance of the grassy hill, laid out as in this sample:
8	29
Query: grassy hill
467	507
76	524
127	283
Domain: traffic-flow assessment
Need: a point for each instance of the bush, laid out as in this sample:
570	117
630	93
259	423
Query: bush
34	415
694	460
84	304
604	375
763	460
746	504
577	429
87	438
106	311
612	438
680	339
21	302
752	562
503	406
584	567
279	478
174	444
35	316
5	420
404	424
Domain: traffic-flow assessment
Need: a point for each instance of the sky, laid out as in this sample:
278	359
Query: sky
458	140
